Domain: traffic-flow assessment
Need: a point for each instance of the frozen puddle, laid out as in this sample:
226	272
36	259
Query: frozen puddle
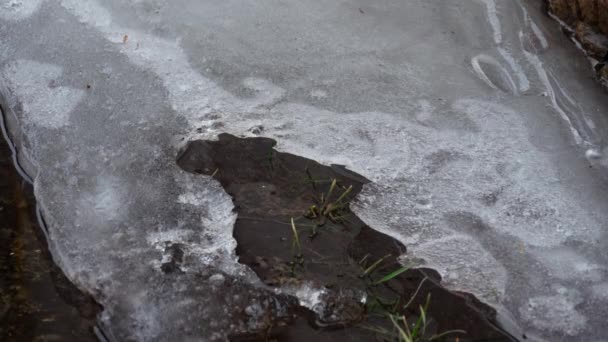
474	133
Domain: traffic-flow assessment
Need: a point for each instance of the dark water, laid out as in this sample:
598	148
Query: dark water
37	302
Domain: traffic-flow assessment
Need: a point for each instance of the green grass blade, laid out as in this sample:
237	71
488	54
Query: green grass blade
402	334
391	275
296	238
374	265
363	259
344	194
420	324
377	330
331	190
423	315
443	334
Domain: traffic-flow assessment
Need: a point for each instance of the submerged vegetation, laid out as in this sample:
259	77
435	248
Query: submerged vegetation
392	324
385	316
326	208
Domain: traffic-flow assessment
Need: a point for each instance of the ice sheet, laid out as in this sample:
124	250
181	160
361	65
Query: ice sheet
470	117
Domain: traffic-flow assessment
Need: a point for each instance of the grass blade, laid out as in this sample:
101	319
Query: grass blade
443	334
415	294
310	179
344	194
328	196
296	239
374	265
363	259
402	334
391	275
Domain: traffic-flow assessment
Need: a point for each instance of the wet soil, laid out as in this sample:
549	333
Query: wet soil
334	250
37	302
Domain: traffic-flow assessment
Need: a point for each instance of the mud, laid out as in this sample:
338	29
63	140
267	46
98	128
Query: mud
269	190
37	302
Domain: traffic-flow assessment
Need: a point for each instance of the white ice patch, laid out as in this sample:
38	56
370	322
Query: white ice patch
318	94
45	103
492	16
453	257
600	291
565	264
105	201
149	326
538	33
489	70
596	156
425	111
556	313
544	78
18	9
265	92
593	154
191	94
524	83
212	243
309	295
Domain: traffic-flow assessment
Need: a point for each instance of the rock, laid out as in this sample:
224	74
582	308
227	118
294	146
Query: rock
331	274
594	43
602	10
603	74
589	21
587	11
563	9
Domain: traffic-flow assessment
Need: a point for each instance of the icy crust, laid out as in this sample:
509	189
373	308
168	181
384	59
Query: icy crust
18	9
459	174
48	104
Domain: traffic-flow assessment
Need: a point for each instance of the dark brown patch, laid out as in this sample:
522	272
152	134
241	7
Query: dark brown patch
269	188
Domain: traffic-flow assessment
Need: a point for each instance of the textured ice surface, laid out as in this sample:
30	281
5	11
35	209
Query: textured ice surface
18	9
47	104
473	119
